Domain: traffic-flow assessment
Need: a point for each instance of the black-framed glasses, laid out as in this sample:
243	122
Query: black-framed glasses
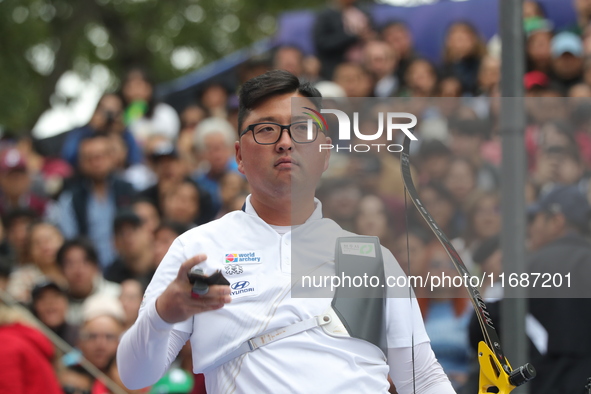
268	133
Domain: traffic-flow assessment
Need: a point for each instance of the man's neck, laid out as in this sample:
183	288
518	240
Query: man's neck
283	211
142	264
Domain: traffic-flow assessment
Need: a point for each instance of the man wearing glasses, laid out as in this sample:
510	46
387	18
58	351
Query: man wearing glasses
243	336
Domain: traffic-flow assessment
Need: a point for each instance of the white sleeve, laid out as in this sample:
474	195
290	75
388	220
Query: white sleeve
147	349
429	377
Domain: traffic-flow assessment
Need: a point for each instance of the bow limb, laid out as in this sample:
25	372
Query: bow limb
495	370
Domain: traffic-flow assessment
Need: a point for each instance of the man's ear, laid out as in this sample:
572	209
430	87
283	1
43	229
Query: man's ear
238	150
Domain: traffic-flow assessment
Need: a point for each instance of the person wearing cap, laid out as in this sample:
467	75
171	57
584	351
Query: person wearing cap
15	184
89	203
102	326
567	59
559	225
283	171
50	305
135	250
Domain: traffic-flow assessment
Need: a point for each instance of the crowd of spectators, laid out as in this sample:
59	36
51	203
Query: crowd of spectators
88	216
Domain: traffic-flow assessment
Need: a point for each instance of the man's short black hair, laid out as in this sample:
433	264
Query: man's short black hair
269	84
82	243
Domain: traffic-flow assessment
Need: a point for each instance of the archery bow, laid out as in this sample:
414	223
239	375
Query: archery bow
495	370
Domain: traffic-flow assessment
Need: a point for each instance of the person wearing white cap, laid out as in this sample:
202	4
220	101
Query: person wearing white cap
567	59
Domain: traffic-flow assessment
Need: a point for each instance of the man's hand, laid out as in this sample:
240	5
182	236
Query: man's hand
176	304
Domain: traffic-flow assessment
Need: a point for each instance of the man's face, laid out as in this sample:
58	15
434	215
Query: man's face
271	169
51	307
79	272
132	240
15	183
543	229
567	66
217	152
94	158
98	341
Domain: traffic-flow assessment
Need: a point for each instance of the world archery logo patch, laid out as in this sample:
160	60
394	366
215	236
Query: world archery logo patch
243	258
358	249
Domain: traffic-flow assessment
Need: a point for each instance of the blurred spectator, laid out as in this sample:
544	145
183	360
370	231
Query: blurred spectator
354	79
135	250
50	305
567	59
15	184
131	295
43	242
538	45
170	171
557	165
467	137
103	320
399	37
463	51
16	222
380	61
489	76
442	206
165	235
289	58
340	199
420	79
232	184
489	258
583	10
79	262
559	224
75	380
88	206
26	357
312	68
460	179
214	144
214	98
434	159
339	32
191	116
372	219
580	90
483	220
107	119
147	212
447	315
183	204
143	115
139	175
532	9
411	252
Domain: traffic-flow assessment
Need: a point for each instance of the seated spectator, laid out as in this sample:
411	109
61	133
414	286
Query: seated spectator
131	295
398	36
420	79
143	115
165	235
557	165
538	45
354	79
447	315
26	357
17	222
87	207
135	249
289	58
214	98
75	380
15	184
463	52
170	171
147	212
373	219
339	33
79	261
50	305
434	158
107	119
460	179
214	144
191	116
567	59
183	204
43	242
489	258
231	185
380	61
102	325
